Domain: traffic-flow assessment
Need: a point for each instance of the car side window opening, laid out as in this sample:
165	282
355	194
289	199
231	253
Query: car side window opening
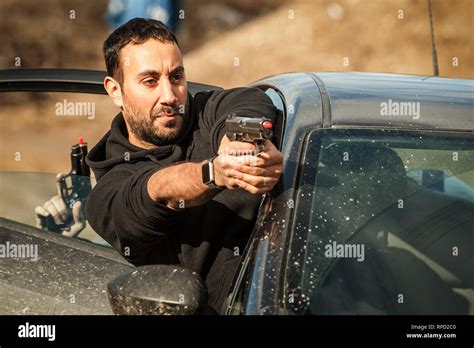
38	130
277	100
384	224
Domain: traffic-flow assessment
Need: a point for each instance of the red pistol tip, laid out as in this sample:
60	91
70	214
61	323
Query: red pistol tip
81	141
267	125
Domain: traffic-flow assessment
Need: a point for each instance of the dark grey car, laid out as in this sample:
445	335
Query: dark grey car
374	213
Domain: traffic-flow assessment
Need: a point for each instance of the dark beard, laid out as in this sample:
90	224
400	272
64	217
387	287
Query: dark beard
144	128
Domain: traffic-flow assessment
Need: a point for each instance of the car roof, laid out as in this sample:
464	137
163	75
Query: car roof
351	99
368	99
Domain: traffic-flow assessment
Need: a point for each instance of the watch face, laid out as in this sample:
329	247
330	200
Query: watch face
206	173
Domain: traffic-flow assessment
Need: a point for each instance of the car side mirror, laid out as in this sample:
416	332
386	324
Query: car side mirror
157	290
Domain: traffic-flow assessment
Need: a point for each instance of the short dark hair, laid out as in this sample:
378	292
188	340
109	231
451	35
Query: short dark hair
137	30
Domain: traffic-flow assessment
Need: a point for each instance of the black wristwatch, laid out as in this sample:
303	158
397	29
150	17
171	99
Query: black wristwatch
208	174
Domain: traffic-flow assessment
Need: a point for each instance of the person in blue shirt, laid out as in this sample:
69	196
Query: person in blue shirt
166	11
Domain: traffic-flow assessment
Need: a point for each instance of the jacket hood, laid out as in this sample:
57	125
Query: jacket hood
114	148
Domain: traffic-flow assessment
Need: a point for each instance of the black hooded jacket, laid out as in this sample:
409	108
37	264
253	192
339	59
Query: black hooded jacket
208	239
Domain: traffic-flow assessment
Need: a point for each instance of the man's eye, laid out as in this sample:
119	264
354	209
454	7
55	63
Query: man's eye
150	82
177	77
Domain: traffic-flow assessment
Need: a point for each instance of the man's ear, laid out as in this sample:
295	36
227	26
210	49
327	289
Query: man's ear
114	90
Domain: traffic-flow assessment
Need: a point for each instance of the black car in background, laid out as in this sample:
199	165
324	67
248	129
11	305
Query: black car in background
374	213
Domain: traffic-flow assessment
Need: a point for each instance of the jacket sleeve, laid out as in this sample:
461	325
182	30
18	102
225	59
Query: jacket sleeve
242	101
121	211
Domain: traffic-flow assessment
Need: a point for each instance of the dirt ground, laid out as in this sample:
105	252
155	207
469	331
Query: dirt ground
227	43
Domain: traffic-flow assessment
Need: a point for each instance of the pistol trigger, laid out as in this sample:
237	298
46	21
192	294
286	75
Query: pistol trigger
260	148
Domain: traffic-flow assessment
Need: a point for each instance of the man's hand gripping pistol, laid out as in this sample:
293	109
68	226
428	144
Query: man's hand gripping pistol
64	213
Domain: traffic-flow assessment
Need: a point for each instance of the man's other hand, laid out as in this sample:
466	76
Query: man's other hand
56	211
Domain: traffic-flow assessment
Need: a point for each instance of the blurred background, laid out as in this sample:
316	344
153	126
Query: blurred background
267	36
226	43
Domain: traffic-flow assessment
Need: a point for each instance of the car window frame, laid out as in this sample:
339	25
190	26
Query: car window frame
244	273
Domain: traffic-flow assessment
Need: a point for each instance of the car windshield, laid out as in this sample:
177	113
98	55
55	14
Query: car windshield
38	130
384	224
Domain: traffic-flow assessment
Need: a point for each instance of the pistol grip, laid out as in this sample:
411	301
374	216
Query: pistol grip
47	222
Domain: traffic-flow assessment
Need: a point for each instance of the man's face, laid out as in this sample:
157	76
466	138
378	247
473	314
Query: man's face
154	91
